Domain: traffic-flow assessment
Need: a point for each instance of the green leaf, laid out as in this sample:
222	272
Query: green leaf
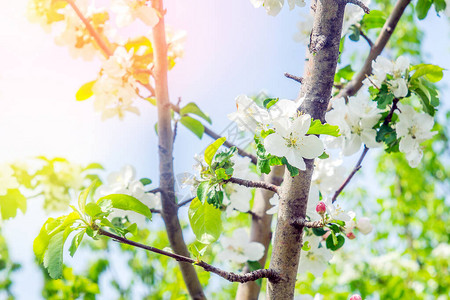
192	108
318	231
193	125
85	91
375	19
93	210
145	181
306	246
263	165
318	128
11	202
422	8
76	241
324	155
205	221
82	198
94	166
126	202
293	170
211	150
335	242
345	73
198	249
152	100
221	174
53	258
202	191
269	102
432	73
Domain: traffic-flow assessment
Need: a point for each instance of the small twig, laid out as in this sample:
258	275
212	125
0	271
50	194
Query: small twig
154	191
185	202
254	184
100	42
355	169
230	276
215	136
360	4
369	41
388	118
155	211
300	223
293	77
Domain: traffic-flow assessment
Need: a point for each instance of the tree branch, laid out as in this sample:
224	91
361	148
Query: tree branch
215	136
254	184
230	276
165	153
355	169
300	223
360	4
368	40
293	77
386	33
185	202
100	42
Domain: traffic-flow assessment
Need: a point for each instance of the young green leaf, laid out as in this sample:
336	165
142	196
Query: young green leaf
334	242
145	181
432	73
205	221
11	202
193	125
76	241
211	150
269	102
192	108
82	198
318	128
126	202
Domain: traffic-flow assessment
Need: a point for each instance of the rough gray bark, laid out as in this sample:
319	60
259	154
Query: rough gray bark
165	135
261	231
316	88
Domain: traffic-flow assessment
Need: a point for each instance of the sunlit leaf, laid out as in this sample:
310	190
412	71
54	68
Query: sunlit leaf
205	221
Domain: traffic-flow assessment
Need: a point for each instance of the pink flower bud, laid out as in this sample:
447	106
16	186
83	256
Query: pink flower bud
351	235
321	208
355	297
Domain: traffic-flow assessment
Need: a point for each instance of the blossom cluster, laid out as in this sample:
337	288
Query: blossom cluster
273	7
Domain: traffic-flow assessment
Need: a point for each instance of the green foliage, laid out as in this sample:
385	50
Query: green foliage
325	129
125	202
432	73
344	74
195	126
11	202
383	96
269	102
205	221
192	108
375	19
211	150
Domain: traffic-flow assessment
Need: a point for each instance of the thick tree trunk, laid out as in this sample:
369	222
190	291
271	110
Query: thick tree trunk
316	89
165	135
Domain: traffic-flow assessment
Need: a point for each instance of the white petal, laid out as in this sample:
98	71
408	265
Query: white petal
295	159
311	147
275	145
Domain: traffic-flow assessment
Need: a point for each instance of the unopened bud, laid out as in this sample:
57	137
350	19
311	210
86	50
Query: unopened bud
321	208
351	235
355	297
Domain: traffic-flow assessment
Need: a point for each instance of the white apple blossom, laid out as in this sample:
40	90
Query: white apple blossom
128	10
248	115
239	249
290	140
175	42
394	264
124	182
383	66
335	212
316	259
115	90
447	8
38	12
304	29
352	15
7	179
274	201
273	7
355	120
364	225
283	109
328	175
413	128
